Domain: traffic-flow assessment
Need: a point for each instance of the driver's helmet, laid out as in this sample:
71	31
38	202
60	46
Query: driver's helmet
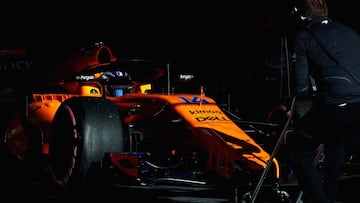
117	83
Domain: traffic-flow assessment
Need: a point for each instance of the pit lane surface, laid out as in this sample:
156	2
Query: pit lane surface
17	188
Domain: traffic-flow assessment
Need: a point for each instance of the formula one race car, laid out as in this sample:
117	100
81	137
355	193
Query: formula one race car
121	120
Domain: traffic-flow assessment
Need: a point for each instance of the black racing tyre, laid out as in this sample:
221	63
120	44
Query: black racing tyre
83	130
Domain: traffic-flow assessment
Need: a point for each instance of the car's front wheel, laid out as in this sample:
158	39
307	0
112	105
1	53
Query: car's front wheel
83	130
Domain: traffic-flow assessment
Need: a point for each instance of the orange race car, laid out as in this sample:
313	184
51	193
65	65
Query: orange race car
123	121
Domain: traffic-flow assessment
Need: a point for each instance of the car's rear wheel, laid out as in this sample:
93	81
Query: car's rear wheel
83	130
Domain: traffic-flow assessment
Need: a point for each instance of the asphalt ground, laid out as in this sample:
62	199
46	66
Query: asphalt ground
17	186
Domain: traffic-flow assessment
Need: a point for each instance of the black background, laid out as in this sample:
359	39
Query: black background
226	43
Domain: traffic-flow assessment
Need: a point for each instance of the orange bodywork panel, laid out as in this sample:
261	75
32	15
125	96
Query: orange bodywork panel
40	112
209	124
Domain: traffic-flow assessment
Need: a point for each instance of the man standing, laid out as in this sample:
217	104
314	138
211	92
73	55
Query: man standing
328	61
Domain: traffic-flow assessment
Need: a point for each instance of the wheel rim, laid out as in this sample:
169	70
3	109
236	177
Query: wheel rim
64	153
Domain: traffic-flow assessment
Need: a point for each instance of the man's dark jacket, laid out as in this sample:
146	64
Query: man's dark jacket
333	50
